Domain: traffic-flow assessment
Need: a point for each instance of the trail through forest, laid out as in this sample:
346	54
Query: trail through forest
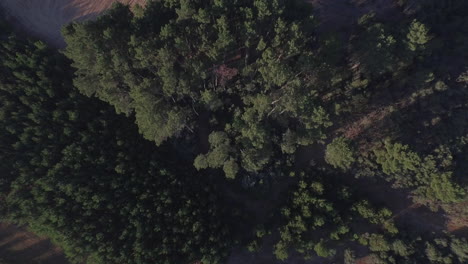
356	127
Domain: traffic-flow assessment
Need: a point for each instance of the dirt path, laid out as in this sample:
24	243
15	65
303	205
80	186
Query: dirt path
357	127
19	246
45	18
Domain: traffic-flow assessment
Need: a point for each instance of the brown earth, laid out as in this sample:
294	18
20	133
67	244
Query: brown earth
45	18
19	246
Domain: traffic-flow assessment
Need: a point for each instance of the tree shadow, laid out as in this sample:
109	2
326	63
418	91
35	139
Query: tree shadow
461	232
7	247
421	220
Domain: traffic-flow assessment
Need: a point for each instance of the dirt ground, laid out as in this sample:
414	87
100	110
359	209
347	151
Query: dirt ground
44	18
18	246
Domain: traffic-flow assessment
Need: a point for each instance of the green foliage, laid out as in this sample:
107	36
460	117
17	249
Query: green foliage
418	35
366	211
429	249
339	153
463	78
219	155
396	159
82	175
376	49
459	248
238	86
319	213
400	248
408	169
280	251
243	62
378	243
322	251
289	142
349	257
230	168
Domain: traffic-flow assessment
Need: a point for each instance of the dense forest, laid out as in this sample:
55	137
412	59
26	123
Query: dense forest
184	131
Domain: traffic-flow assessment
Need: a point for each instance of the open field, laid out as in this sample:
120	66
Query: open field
44	18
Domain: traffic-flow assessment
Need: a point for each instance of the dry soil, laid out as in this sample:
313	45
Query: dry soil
19	246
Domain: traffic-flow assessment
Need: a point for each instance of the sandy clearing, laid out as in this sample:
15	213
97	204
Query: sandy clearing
44	18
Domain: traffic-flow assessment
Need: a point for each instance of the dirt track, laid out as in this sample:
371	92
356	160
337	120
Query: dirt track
44	18
18	246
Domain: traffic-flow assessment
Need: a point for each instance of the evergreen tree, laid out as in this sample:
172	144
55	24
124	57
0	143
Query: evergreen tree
246	63
82	175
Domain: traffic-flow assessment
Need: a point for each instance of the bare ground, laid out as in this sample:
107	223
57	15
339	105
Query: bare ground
45	18
19	246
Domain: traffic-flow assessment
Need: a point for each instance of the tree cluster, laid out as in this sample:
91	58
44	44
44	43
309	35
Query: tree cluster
82	175
114	150
245	64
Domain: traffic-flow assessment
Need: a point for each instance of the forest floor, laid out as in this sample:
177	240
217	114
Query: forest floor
19	246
